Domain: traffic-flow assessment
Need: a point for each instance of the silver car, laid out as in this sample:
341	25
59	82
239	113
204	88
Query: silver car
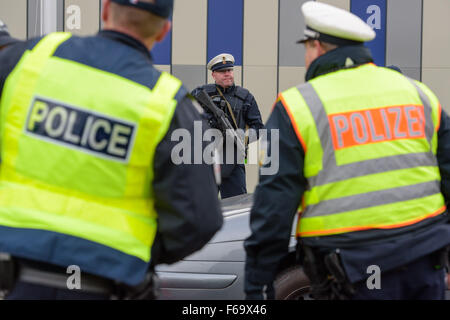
217	271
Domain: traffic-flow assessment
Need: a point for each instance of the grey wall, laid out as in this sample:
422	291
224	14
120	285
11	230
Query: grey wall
404	36
291	30
192	76
34	18
15	16
44	16
436	49
86	12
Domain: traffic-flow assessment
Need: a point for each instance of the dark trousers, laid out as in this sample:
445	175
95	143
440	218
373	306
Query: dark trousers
234	184
29	291
418	280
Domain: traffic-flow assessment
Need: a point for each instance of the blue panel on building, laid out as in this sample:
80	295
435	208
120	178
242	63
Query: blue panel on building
162	51
373	12
225	28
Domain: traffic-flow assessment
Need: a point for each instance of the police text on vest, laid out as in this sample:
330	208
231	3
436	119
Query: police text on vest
78	128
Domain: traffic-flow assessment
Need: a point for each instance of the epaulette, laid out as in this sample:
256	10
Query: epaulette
241	93
209	88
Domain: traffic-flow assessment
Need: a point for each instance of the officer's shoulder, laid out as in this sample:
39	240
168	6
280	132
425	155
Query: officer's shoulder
182	90
209	88
242	93
300	86
430	94
187	111
11	55
22	46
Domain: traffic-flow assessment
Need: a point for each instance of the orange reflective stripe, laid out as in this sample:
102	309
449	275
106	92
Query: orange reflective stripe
377	125
438	124
293	122
275	103
361	228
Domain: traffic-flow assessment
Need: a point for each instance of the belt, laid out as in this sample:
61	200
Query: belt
88	282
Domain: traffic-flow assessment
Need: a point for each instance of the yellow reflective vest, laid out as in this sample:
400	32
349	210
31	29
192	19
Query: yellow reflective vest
79	162
370	140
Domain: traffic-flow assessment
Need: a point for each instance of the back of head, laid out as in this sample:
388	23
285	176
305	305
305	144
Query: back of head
144	18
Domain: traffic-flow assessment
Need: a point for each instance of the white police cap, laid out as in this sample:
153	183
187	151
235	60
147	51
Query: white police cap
334	25
221	61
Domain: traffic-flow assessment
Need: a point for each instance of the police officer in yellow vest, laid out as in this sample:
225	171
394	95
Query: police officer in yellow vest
365	161
90	199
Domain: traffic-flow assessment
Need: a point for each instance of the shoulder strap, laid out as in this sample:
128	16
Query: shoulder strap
229	107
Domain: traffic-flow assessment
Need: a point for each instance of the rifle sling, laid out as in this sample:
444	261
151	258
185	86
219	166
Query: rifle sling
229	107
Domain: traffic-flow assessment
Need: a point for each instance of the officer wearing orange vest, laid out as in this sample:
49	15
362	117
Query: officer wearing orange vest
365	161
91	200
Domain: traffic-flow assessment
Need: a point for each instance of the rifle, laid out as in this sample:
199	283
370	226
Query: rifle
222	120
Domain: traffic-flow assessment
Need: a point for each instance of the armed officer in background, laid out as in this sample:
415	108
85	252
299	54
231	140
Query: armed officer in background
86	175
365	158
242	111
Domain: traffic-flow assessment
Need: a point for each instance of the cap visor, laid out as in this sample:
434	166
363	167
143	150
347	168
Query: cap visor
303	40
223	67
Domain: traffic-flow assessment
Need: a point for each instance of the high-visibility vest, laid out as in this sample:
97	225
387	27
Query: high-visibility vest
370	140
77	150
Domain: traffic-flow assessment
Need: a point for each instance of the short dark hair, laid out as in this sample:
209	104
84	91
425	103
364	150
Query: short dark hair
144	23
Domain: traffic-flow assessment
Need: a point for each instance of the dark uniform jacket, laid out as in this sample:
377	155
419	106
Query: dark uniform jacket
185	195
245	110
277	198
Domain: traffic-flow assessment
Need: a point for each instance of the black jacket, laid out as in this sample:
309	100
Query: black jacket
244	107
278	196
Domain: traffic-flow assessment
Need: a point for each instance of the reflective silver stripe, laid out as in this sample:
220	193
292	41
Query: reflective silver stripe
429	124
331	172
357	169
371	199
321	118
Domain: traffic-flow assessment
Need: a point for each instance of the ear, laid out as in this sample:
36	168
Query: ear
105	10
320	49
164	31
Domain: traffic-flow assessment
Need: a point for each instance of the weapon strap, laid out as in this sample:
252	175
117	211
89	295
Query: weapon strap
229	107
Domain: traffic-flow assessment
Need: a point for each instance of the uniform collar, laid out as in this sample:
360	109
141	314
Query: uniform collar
337	59
126	39
227	90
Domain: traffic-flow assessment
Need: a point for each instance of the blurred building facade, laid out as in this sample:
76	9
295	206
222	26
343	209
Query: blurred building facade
411	34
